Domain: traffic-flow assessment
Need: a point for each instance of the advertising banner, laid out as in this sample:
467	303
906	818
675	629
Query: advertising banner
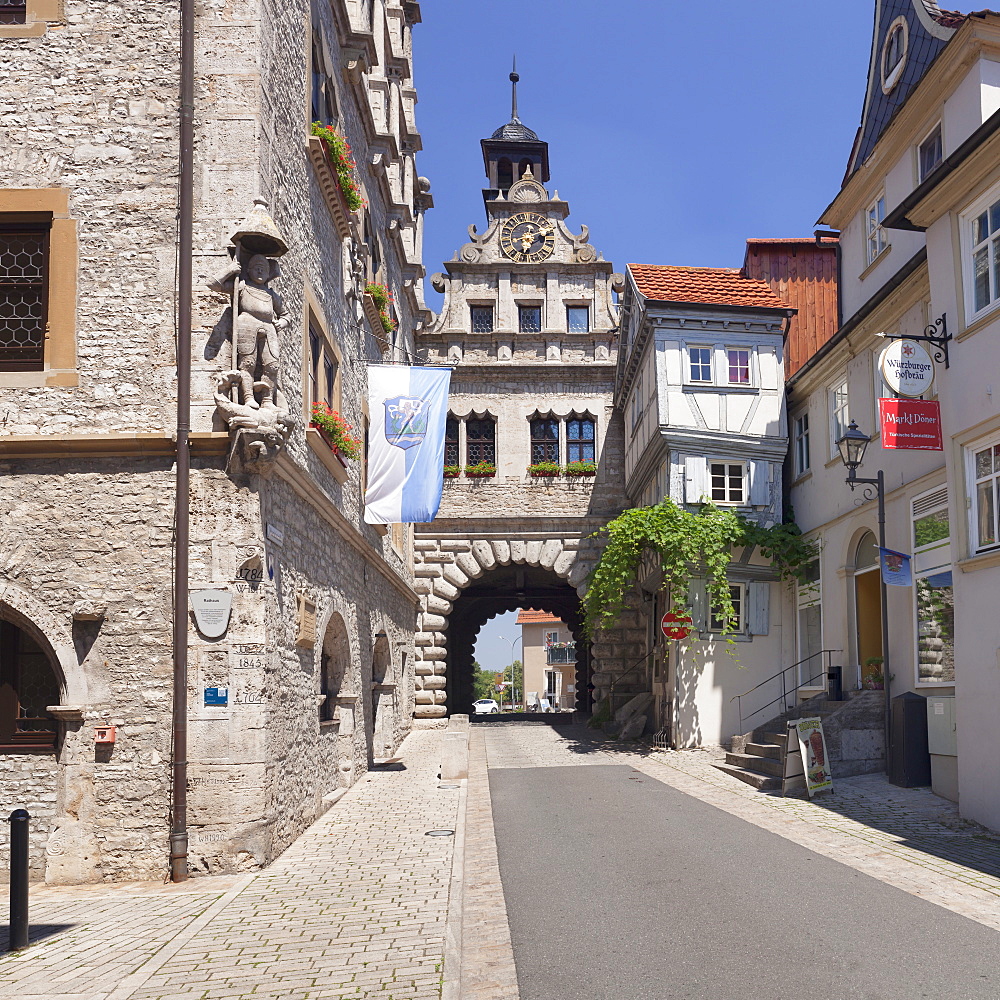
812	746
408	408
896	570
914	424
907	368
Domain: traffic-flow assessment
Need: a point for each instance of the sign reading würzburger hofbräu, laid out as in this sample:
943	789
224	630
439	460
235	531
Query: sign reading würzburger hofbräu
907	368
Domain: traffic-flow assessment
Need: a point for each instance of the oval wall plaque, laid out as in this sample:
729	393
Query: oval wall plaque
907	368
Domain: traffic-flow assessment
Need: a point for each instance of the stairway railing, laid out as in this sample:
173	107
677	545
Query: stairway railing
788	690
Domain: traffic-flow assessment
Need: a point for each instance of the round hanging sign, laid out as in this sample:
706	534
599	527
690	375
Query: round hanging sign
675	626
907	368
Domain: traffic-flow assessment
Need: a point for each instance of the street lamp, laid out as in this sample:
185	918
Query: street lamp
512	642
852	445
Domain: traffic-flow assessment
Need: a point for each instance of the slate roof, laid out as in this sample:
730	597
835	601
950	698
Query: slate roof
720	286
515	131
537	618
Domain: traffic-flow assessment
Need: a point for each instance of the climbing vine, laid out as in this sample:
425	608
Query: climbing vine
687	543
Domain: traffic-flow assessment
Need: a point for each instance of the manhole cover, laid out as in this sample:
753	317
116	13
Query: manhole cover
440	833
449	786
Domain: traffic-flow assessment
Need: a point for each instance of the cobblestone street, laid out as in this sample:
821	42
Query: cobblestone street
365	904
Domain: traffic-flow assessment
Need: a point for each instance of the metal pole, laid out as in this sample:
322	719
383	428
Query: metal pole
18	938
178	818
885	623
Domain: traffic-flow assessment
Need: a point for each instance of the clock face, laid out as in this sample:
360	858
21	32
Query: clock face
527	237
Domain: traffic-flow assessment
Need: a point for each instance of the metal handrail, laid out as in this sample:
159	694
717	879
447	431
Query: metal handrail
786	692
625	673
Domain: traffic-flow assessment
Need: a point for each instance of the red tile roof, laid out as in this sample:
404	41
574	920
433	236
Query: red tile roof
827	238
536	618
721	286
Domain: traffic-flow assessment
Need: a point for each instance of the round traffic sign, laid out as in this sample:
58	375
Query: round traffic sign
676	626
907	368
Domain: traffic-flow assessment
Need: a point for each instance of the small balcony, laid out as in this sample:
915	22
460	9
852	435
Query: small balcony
556	654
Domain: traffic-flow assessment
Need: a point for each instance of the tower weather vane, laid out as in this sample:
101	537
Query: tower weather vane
513	91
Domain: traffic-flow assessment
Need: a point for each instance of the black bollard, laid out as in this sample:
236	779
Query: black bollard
18	879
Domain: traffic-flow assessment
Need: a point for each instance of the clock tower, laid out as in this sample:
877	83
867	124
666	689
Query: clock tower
534	449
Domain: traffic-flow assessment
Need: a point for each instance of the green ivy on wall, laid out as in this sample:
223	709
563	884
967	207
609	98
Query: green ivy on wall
689	543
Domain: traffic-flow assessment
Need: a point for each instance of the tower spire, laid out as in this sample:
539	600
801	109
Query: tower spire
513	91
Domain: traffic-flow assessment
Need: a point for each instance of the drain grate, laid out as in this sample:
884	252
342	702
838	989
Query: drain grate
440	833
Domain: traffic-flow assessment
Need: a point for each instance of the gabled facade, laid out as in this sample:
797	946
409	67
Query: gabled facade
915	216
699	381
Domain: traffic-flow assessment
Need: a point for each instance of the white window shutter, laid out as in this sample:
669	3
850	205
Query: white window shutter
760	484
698	604
758	599
695	478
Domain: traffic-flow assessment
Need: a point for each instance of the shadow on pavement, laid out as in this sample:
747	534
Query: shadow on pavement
36	932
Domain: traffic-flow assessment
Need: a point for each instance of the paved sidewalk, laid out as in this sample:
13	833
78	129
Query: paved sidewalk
906	837
356	907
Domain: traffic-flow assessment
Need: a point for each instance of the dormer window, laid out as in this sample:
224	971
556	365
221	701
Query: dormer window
894	50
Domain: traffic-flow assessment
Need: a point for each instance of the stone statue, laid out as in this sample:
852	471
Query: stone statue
249	397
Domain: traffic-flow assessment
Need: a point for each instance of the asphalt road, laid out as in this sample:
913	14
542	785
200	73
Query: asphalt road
618	886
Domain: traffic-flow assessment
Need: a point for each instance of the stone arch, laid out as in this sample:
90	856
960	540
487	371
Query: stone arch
447	567
383	699
333	665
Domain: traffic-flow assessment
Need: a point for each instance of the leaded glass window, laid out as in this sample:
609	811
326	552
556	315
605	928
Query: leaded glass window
24	253
544	439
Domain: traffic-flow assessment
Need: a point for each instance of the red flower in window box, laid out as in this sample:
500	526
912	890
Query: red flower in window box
544	470
481	470
452	471
581	469
336	431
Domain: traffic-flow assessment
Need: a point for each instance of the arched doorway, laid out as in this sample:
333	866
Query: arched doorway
868	610
509	588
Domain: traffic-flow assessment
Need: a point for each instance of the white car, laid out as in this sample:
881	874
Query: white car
485	706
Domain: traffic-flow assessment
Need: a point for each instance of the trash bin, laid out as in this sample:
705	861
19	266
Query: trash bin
911	761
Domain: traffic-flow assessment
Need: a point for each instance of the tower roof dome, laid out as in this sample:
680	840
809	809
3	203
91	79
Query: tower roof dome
515	131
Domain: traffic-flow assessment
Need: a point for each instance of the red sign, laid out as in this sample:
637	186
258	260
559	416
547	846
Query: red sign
911	423
675	626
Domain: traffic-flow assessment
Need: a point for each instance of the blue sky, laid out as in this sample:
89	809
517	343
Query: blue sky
675	130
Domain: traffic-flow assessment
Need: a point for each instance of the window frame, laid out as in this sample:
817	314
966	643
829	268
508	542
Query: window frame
523	308
570	308
967	220
548	443
932	559
580	443
27	740
800	443
876	238
937	132
482	308
838	432
972	493
326	90
701	364
729	464
715	625
808	595
489	444
37	16
891	75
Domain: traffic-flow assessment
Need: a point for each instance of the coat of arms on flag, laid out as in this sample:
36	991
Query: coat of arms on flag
405	421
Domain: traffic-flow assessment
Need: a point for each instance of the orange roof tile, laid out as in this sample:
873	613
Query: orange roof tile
530	617
720	286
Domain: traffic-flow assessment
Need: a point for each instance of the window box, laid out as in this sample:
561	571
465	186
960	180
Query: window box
581	469
336	431
376	306
544	470
452	471
337	204
481	470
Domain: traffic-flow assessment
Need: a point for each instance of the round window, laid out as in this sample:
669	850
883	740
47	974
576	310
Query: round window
894	50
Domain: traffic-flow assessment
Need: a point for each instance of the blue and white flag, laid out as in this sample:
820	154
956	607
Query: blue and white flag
407	410
896	570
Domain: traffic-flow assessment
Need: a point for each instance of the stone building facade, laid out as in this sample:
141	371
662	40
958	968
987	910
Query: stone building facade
529	324
312	680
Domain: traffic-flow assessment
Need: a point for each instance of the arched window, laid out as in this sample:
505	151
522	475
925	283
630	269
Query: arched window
480	440
544	439
333	661
866	554
580	439
505	174
27	687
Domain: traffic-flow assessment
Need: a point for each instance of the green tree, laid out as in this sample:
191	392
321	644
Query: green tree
483	682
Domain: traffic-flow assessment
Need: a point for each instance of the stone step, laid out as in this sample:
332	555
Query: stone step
765	765
777	739
760	781
771	750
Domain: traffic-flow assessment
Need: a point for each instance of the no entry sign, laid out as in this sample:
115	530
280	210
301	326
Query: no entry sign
911	423
676	626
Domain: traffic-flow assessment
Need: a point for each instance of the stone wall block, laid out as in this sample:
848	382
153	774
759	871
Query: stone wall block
422	669
564	563
424	697
455	545
433	653
518	551
430	622
423	586
430	711
441	668
469	565
533	553
440	698
483	551
424	545
437	683
436	605
549	553
578	574
502	552
444	589
424	639
439	557
455	577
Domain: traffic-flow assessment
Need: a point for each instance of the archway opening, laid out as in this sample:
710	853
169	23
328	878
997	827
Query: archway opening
868	611
512	588
383	694
28	685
